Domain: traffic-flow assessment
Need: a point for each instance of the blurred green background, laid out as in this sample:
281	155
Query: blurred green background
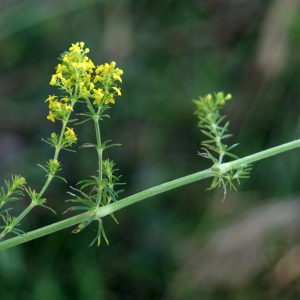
185	243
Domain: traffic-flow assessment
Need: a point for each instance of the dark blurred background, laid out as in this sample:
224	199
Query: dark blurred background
185	243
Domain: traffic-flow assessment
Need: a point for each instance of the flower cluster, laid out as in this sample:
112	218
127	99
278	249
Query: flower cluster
73	75
80	78
81	81
69	137
58	109
106	75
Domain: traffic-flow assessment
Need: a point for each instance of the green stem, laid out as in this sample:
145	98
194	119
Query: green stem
106	210
99	152
49	179
99	149
57	150
45	230
103	211
17	220
235	164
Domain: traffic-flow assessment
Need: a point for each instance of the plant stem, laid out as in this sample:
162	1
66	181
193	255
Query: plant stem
45	230
99	152
16	221
235	164
106	210
99	148
103	211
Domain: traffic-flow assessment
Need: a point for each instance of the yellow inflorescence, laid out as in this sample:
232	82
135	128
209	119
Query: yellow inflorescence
79	78
57	108
69	136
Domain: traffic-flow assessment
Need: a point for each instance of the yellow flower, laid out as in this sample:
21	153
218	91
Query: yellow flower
51	116
76	72
119	71
98	78
69	131
98	93
90	64
60	68
69	137
84	91
53	80
117	77
68	82
55	105
51	98
118	91
87	77
98	96
99	69
68	107
109	100
77	47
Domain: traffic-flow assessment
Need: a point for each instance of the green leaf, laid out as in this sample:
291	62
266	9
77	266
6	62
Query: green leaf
69	150
226	136
11	199
76	208
206	142
86	202
85	114
48	208
231	147
220	120
111	192
84	121
18	232
83	225
208	134
231	155
98	236
81	192
72	120
114	218
224	128
88	145
61	178
104	235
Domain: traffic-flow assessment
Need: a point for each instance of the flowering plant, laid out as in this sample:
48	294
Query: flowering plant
81	82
